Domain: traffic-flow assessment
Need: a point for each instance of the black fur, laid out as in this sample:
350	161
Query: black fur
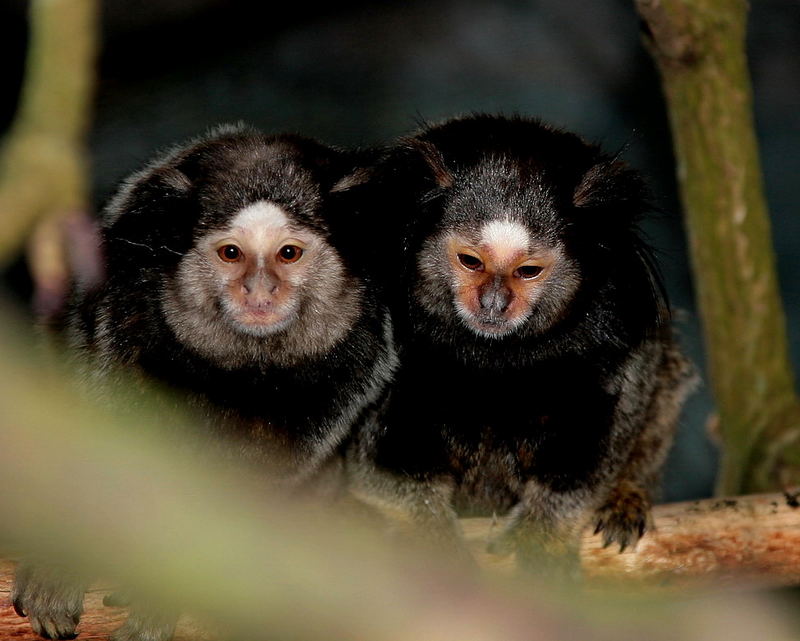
547	421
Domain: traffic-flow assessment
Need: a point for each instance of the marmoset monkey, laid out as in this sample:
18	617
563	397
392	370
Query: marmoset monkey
538	372
225	282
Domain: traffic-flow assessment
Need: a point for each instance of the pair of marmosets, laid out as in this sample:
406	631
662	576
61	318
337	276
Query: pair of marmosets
468	322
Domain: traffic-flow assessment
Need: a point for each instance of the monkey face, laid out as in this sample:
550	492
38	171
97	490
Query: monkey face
261	264
498	277
259	279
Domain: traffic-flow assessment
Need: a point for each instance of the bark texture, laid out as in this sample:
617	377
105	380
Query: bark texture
713	542
699	47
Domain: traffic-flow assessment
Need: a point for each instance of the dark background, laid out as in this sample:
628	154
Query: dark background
360	73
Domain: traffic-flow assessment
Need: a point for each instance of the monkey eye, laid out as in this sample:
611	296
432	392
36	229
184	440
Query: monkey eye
290	253
230	253
528	272
473	263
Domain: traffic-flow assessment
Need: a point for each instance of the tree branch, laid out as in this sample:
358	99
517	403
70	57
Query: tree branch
699	48
710	542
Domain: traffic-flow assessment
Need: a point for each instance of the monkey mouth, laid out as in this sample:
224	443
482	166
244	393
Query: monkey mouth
491	326
258	321
256	325
487	324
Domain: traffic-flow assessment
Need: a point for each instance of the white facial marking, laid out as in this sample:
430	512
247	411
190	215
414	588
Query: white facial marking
260	222
506	238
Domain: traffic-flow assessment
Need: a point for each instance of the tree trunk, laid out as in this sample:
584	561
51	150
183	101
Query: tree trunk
699	48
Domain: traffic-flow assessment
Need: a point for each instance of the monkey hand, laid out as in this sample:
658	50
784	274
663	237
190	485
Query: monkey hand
52	600
554	558
146	620
624	517
146	625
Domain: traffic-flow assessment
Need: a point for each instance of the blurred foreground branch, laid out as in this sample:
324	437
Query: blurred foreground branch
715	542
112	495
699	46
43	158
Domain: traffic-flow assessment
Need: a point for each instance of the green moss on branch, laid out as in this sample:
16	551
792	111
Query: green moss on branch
699	46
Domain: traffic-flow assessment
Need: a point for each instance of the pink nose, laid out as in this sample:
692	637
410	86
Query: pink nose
259	295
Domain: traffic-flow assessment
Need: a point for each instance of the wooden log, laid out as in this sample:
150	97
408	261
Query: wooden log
715	542
711	544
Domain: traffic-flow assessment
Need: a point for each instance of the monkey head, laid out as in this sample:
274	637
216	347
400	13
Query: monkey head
498	274
497	258
233	235
516	221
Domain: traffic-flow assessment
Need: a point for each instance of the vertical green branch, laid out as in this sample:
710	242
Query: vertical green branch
699	47
43	161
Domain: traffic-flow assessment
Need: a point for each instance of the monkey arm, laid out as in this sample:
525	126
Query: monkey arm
675	379
591	454
625	514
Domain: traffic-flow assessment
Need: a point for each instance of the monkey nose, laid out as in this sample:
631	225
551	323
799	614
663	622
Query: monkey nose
495	299
248	290
260	294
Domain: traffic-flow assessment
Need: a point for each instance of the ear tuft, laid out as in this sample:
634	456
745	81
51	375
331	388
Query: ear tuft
358	177
435	161
611	185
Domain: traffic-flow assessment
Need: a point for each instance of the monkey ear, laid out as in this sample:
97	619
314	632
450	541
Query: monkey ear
434	160
614	188
148	221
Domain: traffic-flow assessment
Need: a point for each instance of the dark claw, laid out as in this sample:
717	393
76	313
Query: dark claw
622	546
18	608
50	630
599	528
642	528
45	630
